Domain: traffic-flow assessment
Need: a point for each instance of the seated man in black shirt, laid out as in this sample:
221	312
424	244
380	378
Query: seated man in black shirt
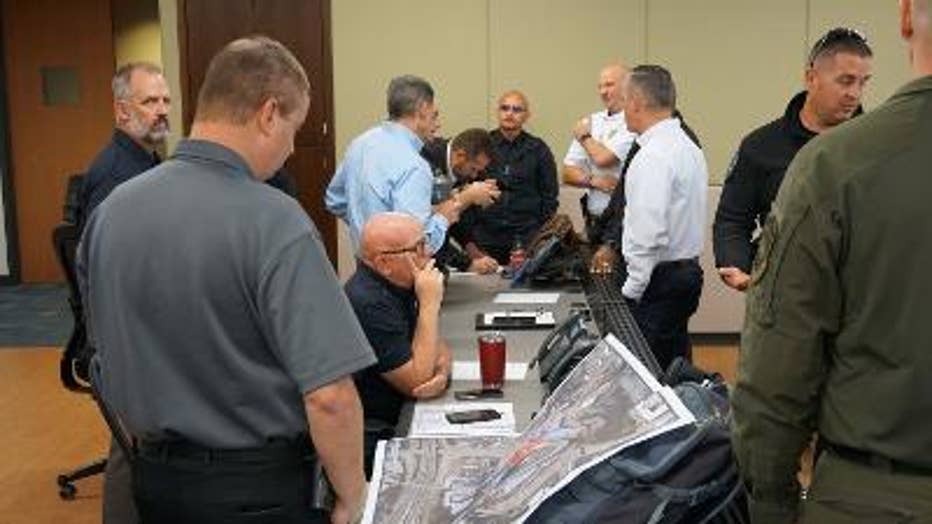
396	293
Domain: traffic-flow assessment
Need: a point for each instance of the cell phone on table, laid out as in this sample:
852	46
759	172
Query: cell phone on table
472	415
478	394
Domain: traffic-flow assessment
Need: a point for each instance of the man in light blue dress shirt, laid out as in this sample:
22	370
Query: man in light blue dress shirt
383	170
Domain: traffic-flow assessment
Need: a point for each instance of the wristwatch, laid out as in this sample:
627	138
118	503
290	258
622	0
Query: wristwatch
583	138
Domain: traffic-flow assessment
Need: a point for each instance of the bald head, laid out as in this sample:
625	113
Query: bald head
514	94
513	111
611	78
388	232
614	69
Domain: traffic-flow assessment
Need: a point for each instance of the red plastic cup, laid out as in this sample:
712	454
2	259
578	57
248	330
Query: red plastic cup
492	360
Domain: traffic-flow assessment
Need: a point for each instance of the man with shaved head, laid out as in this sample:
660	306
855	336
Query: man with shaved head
837	338
523	166
600	143
396	293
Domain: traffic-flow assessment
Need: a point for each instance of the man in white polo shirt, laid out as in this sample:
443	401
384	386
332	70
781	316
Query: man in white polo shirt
600	143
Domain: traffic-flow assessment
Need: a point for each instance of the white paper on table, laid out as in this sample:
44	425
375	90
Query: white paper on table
430	420
526	298
469	370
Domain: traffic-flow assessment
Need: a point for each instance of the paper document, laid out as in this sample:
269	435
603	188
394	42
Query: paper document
430	420
469	370
526	298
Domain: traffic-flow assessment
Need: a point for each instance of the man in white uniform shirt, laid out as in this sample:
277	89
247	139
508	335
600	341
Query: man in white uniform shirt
600	143
665	190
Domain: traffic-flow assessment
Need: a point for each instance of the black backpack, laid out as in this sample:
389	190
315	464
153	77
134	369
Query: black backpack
687	475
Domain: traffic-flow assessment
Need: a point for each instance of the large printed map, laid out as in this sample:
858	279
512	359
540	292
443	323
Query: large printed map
607	403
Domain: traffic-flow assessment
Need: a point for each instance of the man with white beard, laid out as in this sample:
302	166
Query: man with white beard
140	105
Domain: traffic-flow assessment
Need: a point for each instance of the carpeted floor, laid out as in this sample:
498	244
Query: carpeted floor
34	315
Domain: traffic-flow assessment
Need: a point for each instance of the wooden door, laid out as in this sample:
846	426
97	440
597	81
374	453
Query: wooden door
205	26
59	62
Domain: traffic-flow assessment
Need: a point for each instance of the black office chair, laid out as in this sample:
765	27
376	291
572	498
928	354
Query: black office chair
75	360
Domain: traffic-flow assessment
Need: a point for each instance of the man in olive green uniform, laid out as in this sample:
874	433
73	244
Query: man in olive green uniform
838	338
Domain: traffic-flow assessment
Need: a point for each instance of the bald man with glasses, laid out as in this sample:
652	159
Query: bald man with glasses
396	293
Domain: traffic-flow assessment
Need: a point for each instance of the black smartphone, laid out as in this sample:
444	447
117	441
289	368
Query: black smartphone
472	415
478	394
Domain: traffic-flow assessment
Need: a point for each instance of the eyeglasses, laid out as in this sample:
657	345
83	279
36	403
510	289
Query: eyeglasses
419	247
512	108
836	36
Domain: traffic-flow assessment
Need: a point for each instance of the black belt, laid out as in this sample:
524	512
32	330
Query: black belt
873	460
683	262
276	450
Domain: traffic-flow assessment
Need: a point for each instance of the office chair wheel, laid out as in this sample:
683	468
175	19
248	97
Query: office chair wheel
66	489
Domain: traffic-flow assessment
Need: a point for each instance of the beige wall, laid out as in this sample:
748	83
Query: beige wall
736	62
171	65
136	31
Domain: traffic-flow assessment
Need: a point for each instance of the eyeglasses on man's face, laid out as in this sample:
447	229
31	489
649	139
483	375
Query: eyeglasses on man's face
511	107
419	247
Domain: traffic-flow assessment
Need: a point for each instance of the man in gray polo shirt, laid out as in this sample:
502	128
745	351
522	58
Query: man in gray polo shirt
222	332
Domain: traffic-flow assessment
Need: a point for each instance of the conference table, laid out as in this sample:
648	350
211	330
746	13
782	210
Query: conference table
466	295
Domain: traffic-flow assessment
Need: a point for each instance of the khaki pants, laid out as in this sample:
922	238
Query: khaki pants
843	491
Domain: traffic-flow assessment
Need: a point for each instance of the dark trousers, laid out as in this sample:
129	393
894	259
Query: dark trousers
672	296
118	505
180	483
844	492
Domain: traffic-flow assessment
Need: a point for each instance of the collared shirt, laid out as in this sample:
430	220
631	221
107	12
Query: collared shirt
381	171
212	304
527	175
665	190
753	179
437	154
388	315
611	132
120	161
837	335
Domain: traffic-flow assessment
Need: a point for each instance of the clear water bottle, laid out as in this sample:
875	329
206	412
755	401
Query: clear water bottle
517	256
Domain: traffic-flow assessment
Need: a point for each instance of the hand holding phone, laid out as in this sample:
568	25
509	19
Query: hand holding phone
472	415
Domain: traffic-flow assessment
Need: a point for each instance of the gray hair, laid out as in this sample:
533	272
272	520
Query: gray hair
655	83
121	79
405	94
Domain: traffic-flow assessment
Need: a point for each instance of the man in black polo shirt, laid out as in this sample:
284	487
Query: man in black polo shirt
396	293
140	105
837	71
525	171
